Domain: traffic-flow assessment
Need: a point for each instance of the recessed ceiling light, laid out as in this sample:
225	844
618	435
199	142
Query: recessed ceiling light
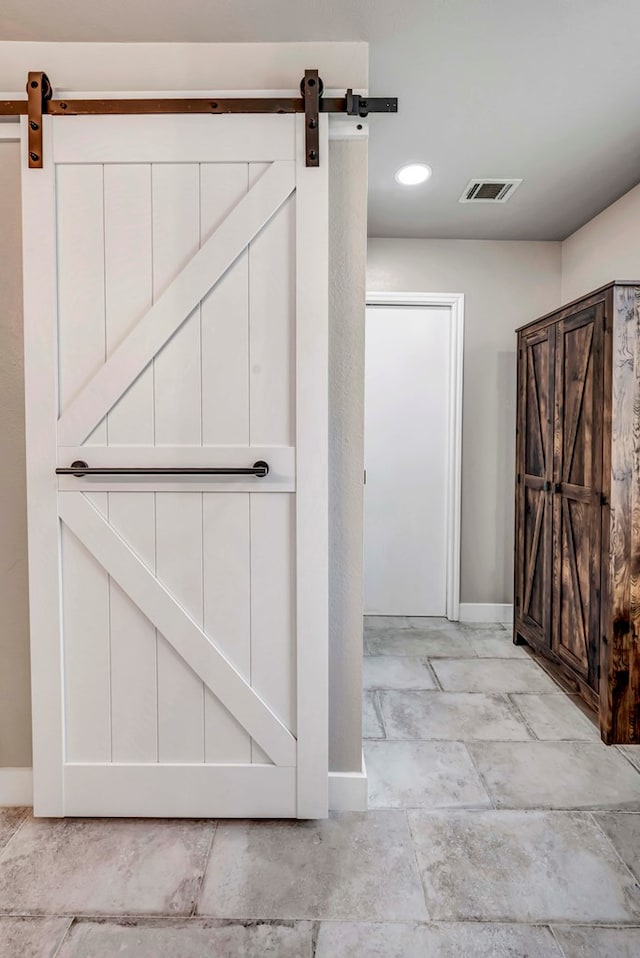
413	174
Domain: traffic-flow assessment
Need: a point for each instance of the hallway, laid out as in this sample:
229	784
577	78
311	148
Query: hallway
498	827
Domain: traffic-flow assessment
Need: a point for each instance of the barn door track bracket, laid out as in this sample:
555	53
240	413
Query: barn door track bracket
39	92
311	102
311	89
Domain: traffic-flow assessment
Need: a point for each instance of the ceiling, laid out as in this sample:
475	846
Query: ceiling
546	90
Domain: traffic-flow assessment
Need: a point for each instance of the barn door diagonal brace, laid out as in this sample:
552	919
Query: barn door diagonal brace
311	102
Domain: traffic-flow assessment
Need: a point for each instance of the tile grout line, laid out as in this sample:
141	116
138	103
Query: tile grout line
553	935
592	815
434	674
173	918
65	936
165	918
315	934
520	714
414	847
627	758
378	710
196	898
13	834
483	782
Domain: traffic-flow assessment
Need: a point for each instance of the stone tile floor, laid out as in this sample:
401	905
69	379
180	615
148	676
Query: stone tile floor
499	827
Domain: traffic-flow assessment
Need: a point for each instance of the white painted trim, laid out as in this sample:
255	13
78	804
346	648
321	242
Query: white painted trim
9	131
345	127
486	612
455	301
312	474
16	786
348	791
68	94
115	790
40	376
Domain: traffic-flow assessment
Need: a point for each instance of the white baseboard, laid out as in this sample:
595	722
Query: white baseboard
348	791
16	786
486	612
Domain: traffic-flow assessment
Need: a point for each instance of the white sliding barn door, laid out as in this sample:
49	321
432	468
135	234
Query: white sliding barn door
176	316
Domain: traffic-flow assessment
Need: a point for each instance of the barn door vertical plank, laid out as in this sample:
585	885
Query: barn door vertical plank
128	290
178	422
227	613
179	568
225	420
176	238
128	293
273	629
225	317
272	304
82	344
272	299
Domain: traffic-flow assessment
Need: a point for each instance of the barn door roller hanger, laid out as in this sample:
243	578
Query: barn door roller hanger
40	101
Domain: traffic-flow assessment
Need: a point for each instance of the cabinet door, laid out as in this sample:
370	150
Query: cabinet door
535	465
577	492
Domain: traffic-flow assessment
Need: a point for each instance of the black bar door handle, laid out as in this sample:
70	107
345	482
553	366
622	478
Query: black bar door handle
80	468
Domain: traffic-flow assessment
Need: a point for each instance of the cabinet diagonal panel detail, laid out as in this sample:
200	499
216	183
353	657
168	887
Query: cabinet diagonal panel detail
536	404
186	637
533	558
574	579
176	303
581	380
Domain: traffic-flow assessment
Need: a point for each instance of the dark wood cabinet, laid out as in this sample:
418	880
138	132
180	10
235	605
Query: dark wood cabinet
577	540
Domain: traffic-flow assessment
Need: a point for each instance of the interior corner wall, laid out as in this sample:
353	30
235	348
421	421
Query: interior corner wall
199	66
505	284
606	248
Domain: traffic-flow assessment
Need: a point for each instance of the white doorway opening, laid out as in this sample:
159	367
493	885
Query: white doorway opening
413	453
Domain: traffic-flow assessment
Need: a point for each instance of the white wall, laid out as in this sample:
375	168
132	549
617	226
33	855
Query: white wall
505	285
182	66
15	706
347	269
214	67
606	248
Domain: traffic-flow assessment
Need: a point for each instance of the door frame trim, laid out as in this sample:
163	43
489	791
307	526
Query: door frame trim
455	302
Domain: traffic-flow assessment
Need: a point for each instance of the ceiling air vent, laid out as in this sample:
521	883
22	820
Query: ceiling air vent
489	190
